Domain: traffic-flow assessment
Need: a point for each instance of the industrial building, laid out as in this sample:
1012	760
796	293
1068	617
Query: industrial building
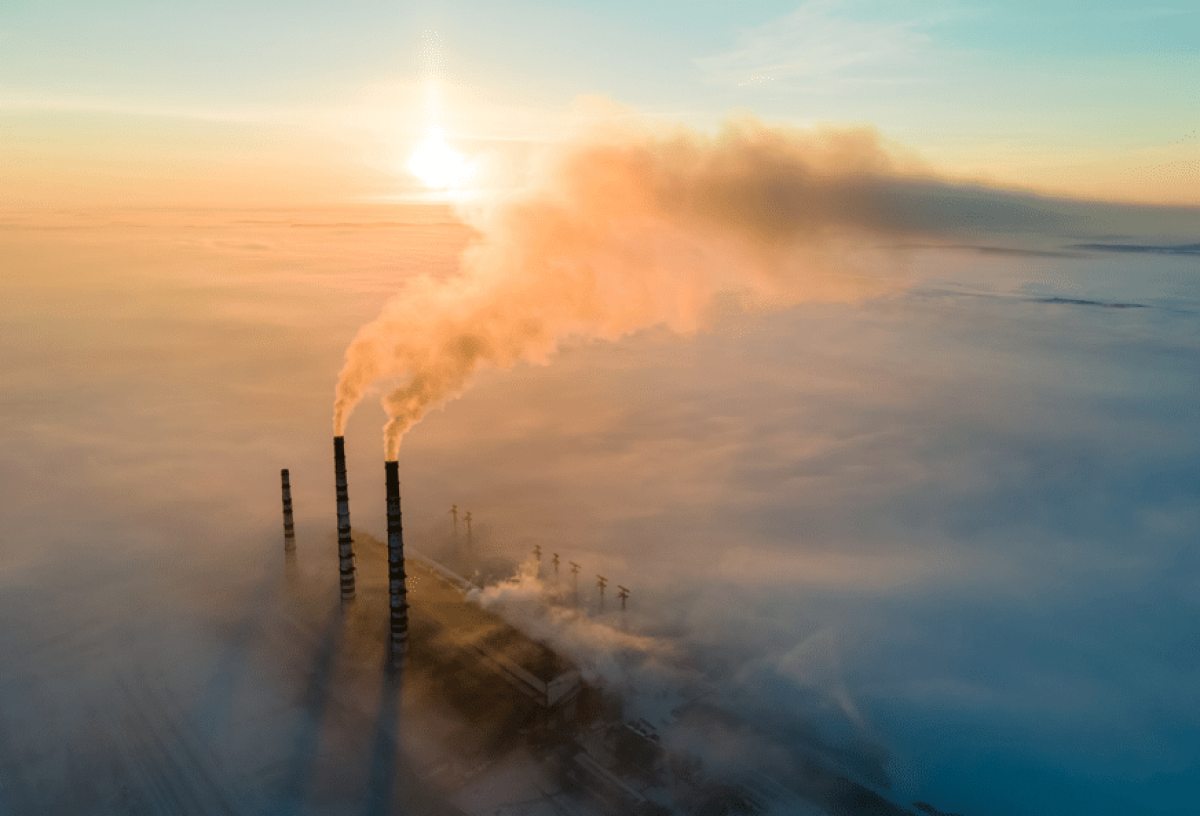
501	723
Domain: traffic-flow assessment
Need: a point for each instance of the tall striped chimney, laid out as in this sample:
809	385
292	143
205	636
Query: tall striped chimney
397	592
289	529
345	542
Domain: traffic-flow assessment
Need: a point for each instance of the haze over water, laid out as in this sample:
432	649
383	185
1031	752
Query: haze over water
966	511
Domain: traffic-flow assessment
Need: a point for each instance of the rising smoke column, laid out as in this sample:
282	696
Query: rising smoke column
624	231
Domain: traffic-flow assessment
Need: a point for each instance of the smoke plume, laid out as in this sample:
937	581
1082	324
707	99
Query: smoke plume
621	232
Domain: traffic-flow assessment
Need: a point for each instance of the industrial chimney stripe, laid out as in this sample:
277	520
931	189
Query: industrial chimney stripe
345	542
397	591
289	530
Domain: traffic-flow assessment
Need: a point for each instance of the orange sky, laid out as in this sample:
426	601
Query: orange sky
86	158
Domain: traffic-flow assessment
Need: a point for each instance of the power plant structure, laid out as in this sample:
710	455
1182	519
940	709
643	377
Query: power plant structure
548	736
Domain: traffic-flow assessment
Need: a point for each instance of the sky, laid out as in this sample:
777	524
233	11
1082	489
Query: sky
178	101
858	339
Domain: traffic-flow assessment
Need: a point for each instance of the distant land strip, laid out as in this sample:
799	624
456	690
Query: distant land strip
1081	302
1177	249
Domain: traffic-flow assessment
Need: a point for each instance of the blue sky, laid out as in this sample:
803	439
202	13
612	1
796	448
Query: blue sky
1094	99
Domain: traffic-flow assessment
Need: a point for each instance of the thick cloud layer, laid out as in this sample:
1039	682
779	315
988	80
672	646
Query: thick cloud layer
966	512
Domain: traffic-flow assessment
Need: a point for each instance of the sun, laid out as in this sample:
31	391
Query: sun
435	163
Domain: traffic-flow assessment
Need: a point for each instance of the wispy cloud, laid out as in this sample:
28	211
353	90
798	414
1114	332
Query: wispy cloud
821	39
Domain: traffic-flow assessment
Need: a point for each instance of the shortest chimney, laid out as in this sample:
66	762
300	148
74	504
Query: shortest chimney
397	592
289	530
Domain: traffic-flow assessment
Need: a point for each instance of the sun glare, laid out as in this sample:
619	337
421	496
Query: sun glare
435	163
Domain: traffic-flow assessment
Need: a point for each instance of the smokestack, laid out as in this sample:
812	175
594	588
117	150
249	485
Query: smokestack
345	542
468	517
397	592
289	530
